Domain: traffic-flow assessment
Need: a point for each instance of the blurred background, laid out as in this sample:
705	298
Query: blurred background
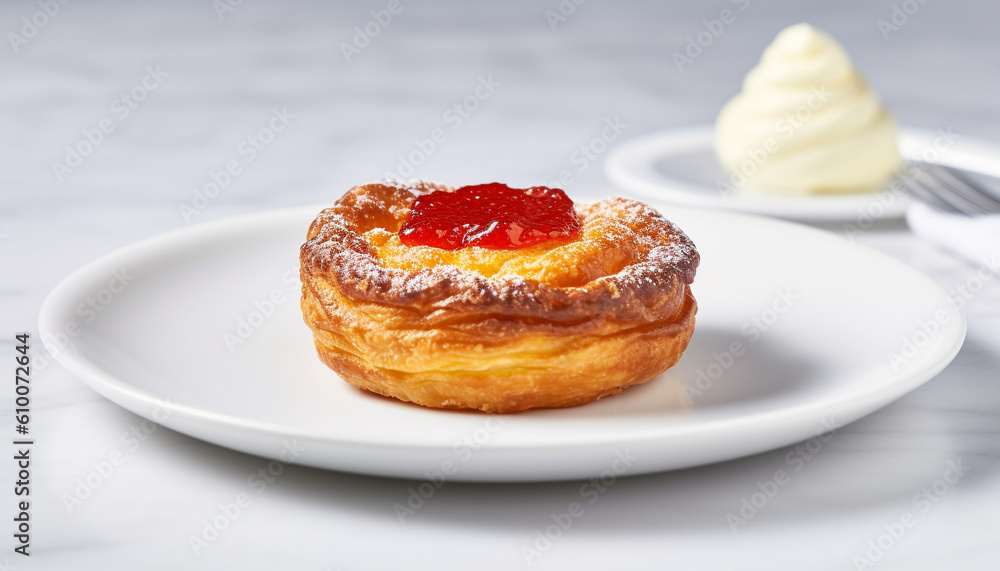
307	99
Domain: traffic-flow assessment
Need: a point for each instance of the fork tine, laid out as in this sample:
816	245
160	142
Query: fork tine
927	197
965	188
925	178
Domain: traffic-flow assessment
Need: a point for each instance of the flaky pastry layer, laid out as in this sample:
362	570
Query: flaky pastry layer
559	324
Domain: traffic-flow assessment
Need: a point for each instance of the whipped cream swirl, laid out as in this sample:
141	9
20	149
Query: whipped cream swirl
806	122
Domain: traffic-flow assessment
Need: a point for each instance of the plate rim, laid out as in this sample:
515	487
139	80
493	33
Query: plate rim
141	401
620	167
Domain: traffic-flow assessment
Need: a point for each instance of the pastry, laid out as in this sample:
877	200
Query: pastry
493	298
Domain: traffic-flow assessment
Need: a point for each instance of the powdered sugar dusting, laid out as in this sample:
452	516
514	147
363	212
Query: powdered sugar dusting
337	250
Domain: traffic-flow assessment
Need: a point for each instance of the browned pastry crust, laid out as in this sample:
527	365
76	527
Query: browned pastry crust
556	325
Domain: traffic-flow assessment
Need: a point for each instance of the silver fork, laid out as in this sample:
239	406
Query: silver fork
947	190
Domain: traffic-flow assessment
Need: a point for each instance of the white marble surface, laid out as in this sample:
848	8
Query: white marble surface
351	120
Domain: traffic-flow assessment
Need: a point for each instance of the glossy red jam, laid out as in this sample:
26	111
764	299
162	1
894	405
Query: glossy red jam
492	216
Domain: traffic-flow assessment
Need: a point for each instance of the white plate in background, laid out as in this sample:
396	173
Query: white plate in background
679	166
834	314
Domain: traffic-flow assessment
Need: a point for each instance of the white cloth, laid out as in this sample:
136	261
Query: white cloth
975	238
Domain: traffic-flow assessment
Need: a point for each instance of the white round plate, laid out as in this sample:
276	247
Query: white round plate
797	332
679	167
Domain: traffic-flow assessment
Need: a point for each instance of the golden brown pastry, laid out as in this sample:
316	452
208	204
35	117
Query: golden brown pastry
555	324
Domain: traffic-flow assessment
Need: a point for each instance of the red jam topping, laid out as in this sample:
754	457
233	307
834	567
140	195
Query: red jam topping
492	216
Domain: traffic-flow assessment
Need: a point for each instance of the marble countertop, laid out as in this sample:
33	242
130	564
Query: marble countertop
167	94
